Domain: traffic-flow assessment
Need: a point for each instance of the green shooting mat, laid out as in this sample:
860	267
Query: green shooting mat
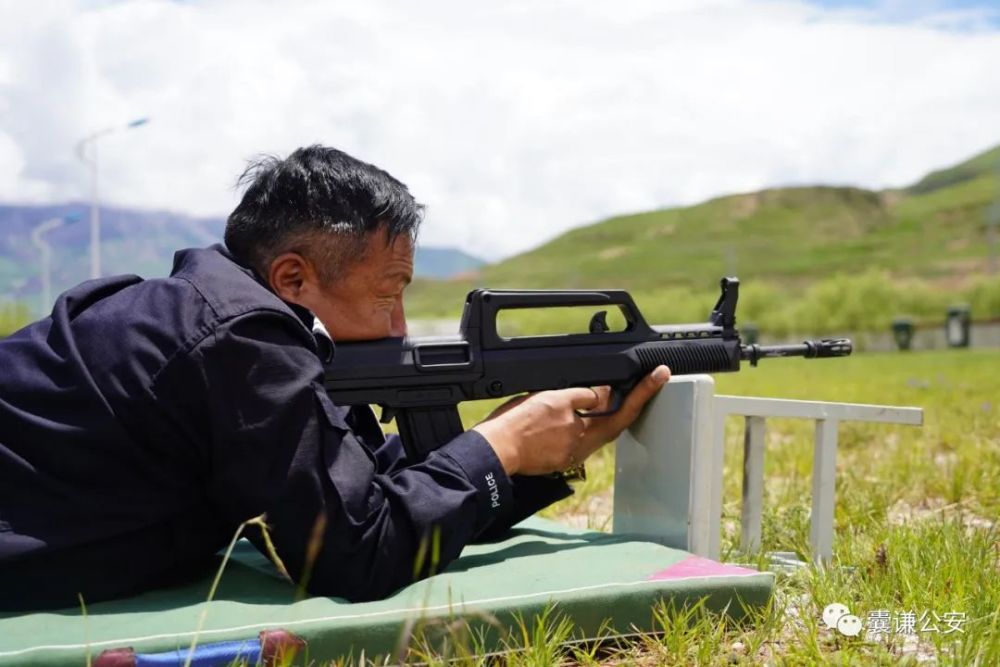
595	579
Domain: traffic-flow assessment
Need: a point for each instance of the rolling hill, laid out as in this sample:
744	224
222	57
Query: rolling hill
785	238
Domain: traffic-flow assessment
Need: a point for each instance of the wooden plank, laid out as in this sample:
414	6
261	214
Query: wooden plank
753	483
787	408
824	484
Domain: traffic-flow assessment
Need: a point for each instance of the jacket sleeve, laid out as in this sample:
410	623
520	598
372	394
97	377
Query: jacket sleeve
280	446
530	493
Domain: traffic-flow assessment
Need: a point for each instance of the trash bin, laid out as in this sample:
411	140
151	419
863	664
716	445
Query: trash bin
902	332
750	334
958	325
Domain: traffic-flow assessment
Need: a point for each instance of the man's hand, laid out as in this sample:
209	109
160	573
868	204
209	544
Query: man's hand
542	433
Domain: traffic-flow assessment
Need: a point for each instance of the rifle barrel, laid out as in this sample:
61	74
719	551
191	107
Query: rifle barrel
810	349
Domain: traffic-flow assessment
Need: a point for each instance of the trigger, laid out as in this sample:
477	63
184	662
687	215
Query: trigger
388	414
617	398
599	322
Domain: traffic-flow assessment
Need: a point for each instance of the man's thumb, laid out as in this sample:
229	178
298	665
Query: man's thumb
660	376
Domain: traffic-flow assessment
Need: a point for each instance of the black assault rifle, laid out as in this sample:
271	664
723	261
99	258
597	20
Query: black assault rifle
421	381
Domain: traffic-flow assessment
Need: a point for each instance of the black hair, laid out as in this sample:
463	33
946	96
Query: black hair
316	192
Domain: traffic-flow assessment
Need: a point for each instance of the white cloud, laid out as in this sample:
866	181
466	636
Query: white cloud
513	121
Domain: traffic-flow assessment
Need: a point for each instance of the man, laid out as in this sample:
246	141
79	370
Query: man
143	421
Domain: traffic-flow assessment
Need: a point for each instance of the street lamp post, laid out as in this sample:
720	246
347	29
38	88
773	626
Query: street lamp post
95	213
46	251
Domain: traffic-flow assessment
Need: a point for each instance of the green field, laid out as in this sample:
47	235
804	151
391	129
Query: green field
916	523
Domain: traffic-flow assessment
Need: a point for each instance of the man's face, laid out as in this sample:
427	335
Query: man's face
366	302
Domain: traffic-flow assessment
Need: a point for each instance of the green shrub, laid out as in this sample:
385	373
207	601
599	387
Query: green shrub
984	299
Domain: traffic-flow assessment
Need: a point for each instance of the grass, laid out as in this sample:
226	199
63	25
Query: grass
916	527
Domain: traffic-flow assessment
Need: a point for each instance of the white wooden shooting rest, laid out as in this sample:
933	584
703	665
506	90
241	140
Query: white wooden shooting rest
668	467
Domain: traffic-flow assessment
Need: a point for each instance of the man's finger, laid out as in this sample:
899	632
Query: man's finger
603	398
583	398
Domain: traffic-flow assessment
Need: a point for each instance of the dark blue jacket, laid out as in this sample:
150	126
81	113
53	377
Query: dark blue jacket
144	420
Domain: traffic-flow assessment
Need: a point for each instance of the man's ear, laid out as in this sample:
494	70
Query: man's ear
292	277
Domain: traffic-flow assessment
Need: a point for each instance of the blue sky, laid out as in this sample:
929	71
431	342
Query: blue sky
914	5
512	120
982	14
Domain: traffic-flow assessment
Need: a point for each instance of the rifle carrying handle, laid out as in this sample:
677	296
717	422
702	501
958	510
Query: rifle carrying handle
501	299
484	305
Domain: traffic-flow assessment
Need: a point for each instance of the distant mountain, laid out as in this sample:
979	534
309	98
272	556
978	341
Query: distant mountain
132	241
444	263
